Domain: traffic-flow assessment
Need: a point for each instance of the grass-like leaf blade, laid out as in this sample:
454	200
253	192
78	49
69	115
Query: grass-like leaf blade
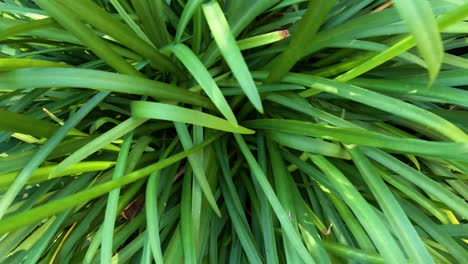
141	109
230	51
203	77
421	22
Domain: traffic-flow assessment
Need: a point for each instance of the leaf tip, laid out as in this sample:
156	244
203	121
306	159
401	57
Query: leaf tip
284	33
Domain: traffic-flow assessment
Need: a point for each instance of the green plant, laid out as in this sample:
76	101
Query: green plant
242	131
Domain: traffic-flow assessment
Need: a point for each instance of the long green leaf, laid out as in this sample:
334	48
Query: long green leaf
195	161
310	145
51	208
419	18
280	212
234	206
261	40
353	254
203	77
129	20
308	26
284	191
98	143
99	80
35	253
141	109
374	226
379	101
437	93
186	225
97	17
241	14
363	137
42	154
19	123
189	10
230	51
108	224
43	173
8	64
430	186
68	20
152	216
266	214
429	226
410	239
443	22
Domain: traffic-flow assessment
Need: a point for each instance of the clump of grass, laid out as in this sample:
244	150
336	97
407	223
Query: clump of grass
233	131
